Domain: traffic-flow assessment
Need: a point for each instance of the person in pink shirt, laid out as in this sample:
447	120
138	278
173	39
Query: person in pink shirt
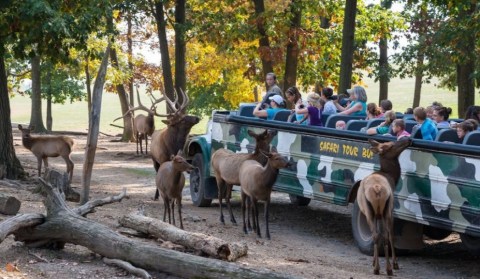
398	128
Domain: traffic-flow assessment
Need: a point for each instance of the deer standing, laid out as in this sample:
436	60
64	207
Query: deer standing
375	198
144	126
48	146
256	182
226	164
169	140
170	181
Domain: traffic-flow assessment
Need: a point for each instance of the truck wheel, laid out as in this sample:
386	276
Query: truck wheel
299	200
435	233
197	182
361	231
472	243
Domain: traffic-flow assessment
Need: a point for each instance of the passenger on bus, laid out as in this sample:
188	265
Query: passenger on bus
427	127
313	112
429	110
473	112
276	104
272	88
408	111
385	105
340	125
373	111
466	127
441	115
383	128
293	96
329	108
398	129
358	104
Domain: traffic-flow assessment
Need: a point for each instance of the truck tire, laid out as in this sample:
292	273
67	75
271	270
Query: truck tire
299	200
472	243
197	182
361	231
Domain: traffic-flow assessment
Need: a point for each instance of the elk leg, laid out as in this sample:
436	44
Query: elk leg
391	240
165	209
221	192
255	215
173	210
179	205
229	196
146	144
376	265
70	165
249	210
385	235
39	165
156	166
243	195
136	140
267	231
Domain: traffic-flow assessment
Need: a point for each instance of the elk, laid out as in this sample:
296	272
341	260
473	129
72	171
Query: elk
144	126
226	164
170	182
375	198
48	146
256	182
169	140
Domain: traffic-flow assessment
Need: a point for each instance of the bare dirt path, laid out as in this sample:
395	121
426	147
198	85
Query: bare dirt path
309	242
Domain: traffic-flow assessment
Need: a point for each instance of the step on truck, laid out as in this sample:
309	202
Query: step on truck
438	192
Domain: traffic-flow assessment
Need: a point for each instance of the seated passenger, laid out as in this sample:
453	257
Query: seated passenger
340	125
398	129
408	111
473	112
427	127
313	112
383	128
466	127
429	110
276	104
358	104
440	116
373	111
293	96
385	105
326	95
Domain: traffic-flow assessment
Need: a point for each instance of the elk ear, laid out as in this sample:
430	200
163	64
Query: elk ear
273	149
373	142
180	153
252	134
273	132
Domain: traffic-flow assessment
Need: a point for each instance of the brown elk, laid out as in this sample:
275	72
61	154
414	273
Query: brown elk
144	126
169	140
226	164
170	182
256	182
375	198
48	146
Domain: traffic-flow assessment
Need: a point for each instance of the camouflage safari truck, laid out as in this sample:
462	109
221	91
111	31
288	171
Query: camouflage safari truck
438	193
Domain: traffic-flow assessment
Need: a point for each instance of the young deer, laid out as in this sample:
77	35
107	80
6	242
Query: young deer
170	182
48	146
226	164
256	182
375	198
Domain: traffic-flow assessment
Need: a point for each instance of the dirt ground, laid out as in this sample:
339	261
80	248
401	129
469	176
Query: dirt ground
307	242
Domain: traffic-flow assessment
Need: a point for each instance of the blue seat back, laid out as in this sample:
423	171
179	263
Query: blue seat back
332	119
375	122
447	134
282	115
472	138
246	110
356	125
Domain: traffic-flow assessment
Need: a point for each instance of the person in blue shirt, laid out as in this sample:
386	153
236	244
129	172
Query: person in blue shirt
276	104
428	128
358	102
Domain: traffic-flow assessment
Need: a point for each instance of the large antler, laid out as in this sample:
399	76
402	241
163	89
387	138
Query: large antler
140	106
174	106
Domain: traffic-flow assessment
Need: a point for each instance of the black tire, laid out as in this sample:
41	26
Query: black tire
197	182
435	233
472	243
362	234
299	200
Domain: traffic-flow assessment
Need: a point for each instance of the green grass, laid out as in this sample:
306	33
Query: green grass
73	117
143	172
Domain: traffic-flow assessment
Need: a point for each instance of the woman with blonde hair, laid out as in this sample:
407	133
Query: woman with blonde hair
384	126
313	112
358	104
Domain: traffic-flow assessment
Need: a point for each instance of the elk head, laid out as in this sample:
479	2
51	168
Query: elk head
178	118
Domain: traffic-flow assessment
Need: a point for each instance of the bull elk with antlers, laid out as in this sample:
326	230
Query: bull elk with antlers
169	140
144	126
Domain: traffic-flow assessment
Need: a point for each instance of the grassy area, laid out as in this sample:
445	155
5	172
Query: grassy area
73	117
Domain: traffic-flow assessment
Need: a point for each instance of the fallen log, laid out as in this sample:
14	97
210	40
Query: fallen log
62	224
11	225
9	205
209	245
128	267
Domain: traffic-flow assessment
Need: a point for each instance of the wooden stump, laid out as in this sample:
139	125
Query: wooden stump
60	182
9	205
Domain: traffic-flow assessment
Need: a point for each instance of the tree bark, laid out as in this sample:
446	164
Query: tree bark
8	158
130	58
122	96
291	62
162	38
384	72
63	225
348	40
94	126
180	48
88	83
36	118
264	43
209	245
9	205
418	81
17	222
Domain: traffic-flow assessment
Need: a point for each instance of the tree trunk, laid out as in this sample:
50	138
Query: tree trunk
292	46
348	40
12	166
162	38
94	126
418	81
209	245
384	72
180	49
88	83
122	96
9	205
49	100
130	58
36	118
62	224
264	43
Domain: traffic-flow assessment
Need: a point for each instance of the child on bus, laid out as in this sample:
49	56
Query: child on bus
398	129
313	112
383	128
